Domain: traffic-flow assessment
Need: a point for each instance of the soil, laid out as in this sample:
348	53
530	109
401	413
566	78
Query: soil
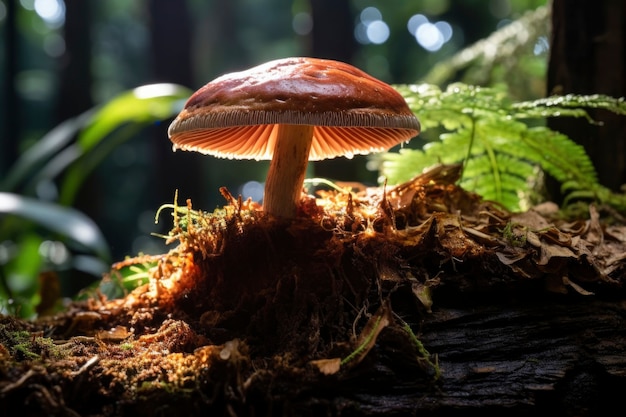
421	298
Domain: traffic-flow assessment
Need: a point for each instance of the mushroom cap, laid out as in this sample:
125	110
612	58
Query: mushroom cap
236	115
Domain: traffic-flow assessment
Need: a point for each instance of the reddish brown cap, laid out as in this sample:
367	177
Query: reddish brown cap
235	115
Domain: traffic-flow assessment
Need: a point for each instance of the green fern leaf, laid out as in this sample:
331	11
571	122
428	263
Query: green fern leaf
481	128
559	156
570	105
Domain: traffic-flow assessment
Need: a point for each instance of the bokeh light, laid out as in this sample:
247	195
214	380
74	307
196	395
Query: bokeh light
28	4
54	45
3	11
302	23
416	21
51	11
430	36
445	29
252	189
369	15
377	32
54	251
371	28
542	46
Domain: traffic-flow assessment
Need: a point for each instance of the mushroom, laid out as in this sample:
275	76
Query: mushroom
291	111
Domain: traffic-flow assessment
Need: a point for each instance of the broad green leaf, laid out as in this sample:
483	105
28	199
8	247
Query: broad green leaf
63	220
26	167
142	105
116	122
21	282
77	145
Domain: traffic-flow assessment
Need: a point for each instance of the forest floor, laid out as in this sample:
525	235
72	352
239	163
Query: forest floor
417	298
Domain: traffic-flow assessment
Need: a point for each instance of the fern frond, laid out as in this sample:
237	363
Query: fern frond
453	108
512	177
569	105
400	166
502	151
559	156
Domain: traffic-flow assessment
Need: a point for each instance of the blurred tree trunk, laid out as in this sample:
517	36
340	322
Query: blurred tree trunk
333	38
220	50
588	56
10	134
333	28
171	40
75	84
75	63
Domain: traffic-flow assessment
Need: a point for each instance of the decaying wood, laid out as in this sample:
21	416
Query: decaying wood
420	299
549	356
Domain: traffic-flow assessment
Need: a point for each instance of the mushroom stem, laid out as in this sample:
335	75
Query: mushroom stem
285	178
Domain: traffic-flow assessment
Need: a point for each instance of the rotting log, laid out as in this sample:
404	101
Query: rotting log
423	300
552	356
549	356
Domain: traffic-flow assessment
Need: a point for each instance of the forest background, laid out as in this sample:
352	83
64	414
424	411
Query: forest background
61	58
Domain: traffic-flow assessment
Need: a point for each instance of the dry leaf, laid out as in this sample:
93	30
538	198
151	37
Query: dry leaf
327	366
549	251
594	235
578	288
511	258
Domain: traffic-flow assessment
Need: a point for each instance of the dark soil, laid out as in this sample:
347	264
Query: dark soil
421	299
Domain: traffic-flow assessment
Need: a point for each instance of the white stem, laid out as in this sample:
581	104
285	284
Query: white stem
283	186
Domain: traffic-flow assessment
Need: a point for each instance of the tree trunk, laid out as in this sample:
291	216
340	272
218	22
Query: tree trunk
75	64
588	56
332	37
333	30
171	36
10	134
75	85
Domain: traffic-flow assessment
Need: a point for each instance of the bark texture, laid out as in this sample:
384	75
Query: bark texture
588	56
